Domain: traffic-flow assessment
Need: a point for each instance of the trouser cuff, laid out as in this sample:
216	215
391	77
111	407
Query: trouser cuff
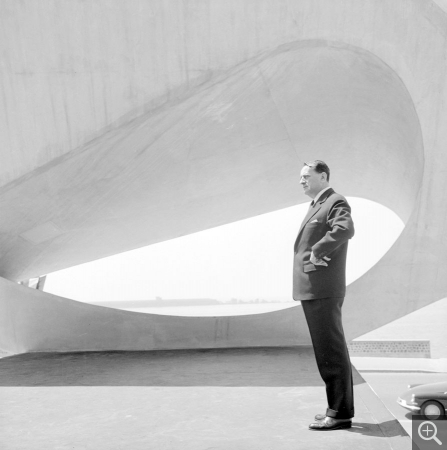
339	415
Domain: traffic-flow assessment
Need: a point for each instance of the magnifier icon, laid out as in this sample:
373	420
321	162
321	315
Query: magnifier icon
431	428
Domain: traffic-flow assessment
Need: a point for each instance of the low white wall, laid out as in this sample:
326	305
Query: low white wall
35	321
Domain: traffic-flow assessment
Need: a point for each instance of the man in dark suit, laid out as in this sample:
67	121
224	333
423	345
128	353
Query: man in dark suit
319	282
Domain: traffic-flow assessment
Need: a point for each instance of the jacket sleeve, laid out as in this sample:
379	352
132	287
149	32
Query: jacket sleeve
341	229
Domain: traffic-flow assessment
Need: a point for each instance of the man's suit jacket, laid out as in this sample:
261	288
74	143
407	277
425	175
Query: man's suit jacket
325	230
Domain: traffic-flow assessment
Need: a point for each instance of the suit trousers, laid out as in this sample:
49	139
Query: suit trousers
324	320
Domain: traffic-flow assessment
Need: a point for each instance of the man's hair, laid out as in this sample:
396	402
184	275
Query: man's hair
319	167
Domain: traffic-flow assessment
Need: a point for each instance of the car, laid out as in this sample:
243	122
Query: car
428	400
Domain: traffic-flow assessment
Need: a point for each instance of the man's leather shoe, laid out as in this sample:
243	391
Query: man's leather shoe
320	416
329	423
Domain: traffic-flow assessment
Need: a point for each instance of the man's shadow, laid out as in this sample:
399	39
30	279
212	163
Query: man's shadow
392	428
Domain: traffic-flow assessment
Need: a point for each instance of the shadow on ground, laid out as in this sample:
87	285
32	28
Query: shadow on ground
368	429
291	366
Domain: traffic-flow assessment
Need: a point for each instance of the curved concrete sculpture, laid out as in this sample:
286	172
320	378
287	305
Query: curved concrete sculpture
32	321
195	114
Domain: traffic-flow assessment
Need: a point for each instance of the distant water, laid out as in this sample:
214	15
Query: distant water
213	310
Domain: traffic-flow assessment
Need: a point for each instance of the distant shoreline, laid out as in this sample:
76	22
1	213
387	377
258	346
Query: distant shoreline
213	310
126	304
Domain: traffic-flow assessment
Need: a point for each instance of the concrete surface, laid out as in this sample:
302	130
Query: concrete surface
33	321
372	364
388	386
425	323
230	398
231	149
27	324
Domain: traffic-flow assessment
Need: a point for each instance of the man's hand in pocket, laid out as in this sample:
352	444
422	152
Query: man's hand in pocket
317	261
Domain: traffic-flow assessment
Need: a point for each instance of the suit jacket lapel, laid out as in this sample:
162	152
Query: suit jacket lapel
312	211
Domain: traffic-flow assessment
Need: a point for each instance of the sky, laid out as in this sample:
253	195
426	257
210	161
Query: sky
247	260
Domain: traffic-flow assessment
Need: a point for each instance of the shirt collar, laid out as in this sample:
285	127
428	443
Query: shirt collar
320	194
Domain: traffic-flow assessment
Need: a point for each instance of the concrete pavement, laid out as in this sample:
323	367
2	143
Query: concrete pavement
388	386
365	364
244	399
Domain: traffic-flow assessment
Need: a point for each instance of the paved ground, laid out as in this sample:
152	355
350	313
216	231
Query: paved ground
234	399
210	399
388	386
370	364
389	377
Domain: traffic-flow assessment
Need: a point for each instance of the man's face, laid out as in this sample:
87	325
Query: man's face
312	182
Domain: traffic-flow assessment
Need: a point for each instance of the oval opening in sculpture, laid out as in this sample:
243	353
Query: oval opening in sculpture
240	268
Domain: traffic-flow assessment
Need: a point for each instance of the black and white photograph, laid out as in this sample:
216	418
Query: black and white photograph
223	224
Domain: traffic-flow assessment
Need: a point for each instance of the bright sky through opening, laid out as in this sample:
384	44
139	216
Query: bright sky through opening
249	259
